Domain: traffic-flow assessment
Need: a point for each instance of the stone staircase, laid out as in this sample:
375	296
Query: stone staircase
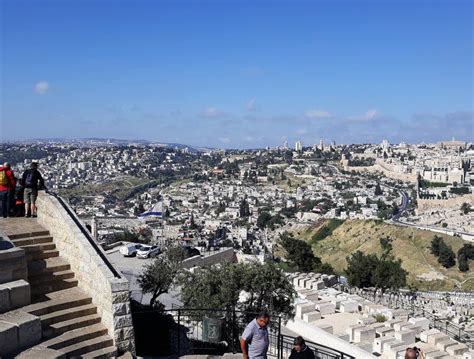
69	321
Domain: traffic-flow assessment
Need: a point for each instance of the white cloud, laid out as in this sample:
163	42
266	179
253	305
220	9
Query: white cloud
370	115
317	114
302	131
41	87
212	112
224	140
251	105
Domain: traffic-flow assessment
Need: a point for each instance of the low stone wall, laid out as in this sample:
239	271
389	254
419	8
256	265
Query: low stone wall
226	255
12	261
109	293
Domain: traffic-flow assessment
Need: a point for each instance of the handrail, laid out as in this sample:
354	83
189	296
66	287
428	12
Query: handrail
86	233
288	339
283	343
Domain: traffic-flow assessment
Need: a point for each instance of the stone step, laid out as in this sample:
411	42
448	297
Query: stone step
75	336
47	265
32	256
34	233
88	346
45	288
50	277
65	326
109	352
67	314
32	240
55	305
29	248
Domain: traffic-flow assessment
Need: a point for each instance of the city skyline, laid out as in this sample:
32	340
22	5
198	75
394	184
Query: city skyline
238	75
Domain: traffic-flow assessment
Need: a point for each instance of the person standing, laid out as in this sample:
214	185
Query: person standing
254	341
301	350
31	182
7	187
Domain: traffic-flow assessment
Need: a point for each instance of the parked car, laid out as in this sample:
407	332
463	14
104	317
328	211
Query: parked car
130	250
148	251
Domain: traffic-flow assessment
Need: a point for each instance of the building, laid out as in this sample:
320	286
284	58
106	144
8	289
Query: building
298	146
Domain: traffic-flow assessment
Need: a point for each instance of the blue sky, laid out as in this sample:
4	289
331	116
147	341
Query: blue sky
238	73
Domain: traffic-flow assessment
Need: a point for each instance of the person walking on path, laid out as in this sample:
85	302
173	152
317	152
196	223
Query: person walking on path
31	182
7	188
254	341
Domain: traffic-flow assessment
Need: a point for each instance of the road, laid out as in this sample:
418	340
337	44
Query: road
406	202
131	268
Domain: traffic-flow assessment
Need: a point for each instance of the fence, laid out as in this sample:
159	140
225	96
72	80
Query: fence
218	331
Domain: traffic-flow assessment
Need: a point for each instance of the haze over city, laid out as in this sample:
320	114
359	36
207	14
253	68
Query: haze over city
238	74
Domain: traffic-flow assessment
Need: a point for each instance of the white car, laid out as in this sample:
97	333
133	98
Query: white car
130	249
148	251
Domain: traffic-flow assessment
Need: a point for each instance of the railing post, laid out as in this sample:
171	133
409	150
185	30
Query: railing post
279	341
179	332
233	331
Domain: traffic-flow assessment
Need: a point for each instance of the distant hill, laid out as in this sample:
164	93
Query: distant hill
114	141
412	246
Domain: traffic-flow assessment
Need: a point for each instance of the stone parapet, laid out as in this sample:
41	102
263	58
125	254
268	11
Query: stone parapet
226	255
12	261
109	293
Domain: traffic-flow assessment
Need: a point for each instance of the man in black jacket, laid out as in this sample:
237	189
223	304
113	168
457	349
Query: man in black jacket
31	182
301	351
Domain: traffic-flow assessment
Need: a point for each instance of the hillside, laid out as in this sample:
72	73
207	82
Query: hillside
412	246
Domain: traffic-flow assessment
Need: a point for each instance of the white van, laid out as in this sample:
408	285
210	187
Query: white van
129	250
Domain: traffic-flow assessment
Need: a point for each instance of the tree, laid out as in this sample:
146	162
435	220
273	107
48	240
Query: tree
435	245
386	244
360	268
268	287
192	223
389	274
244	208
446	256
263	219
465	253
299	253
158	276
264	286
378	191
465	208
384	272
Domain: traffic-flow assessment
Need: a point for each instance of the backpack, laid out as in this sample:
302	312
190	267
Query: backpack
29	180
3	178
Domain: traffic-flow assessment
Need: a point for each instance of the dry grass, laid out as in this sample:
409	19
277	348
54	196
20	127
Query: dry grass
412	246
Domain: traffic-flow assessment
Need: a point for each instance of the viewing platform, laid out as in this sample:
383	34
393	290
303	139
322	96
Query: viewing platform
59	295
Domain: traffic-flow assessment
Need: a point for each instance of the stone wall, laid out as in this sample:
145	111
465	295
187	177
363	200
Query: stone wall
226	255
434	204
109	293
12	261
386	170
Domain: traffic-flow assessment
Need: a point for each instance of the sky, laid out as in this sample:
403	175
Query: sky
237	74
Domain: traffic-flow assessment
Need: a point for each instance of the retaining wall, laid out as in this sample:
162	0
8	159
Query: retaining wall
109	293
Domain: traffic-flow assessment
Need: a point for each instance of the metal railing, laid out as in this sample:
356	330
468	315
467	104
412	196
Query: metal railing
218	331
86	233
